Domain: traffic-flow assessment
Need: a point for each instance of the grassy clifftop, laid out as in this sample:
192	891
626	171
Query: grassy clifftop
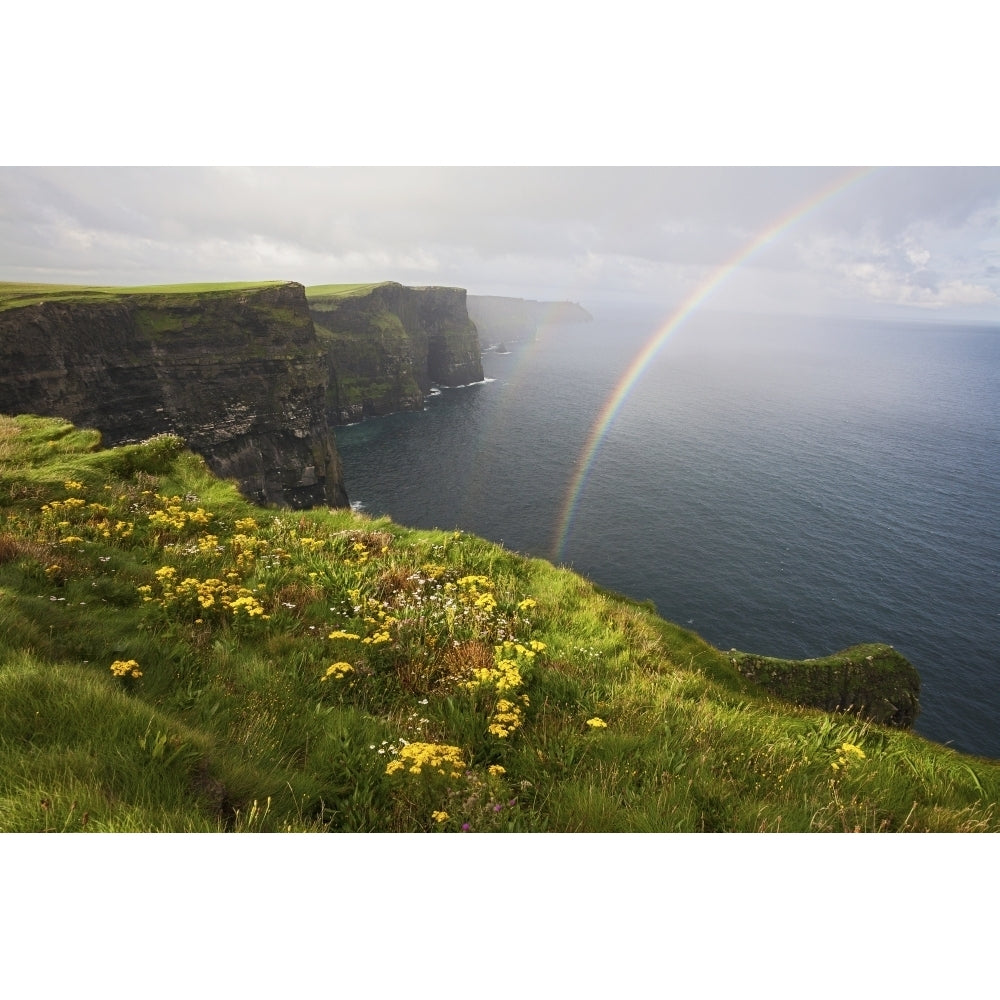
320	292
173	658
17	294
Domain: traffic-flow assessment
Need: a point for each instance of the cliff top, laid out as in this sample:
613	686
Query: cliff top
15	295
342	291
316	292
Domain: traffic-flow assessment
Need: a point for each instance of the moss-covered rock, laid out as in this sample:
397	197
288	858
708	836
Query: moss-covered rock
871	680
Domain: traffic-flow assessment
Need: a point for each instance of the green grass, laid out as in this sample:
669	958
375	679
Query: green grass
259	706
17	294
341	291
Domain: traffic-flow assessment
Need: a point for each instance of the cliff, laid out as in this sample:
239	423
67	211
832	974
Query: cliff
236	371
501	319
388	344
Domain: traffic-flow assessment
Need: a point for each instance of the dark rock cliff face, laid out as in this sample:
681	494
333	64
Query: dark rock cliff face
389	344
239	374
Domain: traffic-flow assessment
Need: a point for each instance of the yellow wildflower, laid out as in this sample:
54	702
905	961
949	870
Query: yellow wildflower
439	816
125	668
596	723
337	671
847	754
438	756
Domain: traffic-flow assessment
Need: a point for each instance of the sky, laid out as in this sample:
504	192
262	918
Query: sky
492	91
887	241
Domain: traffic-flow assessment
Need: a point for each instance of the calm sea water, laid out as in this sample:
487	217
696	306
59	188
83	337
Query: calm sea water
781	486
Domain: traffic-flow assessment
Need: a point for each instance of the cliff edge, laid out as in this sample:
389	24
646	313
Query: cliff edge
389	344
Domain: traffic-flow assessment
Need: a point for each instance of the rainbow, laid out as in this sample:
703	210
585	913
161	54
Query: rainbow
644	358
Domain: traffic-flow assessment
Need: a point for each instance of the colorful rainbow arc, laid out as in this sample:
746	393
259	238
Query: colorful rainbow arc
644	358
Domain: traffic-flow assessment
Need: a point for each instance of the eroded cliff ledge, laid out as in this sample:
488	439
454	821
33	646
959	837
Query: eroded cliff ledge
873	681
237	371
389	344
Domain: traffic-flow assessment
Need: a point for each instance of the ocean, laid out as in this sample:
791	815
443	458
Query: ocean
783	486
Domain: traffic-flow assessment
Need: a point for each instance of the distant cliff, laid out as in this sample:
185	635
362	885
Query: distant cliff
502	320
388	344
237	371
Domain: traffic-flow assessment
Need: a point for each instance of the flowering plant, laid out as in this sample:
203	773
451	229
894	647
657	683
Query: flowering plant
125	668
435	757
848	754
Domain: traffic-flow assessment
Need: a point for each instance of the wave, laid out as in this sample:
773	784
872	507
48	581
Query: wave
466	385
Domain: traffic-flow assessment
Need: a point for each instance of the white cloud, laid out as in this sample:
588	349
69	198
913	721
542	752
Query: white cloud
883	284
918	256
925	265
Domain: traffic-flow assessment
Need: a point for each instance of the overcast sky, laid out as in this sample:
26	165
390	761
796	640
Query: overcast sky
873	81
889	241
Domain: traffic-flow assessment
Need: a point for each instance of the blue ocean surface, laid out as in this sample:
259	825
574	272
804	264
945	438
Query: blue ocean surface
782	486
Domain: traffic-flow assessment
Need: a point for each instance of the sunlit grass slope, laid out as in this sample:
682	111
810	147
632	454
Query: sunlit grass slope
340	291
17	294
174	659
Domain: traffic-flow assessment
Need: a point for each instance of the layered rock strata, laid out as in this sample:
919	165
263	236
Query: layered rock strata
390	344
237	373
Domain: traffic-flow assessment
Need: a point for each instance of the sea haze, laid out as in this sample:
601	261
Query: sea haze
781	486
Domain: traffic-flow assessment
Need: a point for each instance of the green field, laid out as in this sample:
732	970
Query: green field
16	294
175	659
340	291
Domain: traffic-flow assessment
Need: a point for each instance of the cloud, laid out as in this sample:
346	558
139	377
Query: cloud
896	275
918	256
881	284
937	256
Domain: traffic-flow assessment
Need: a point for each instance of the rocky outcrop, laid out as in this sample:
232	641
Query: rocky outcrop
237	372
872	681
389	344
501	319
